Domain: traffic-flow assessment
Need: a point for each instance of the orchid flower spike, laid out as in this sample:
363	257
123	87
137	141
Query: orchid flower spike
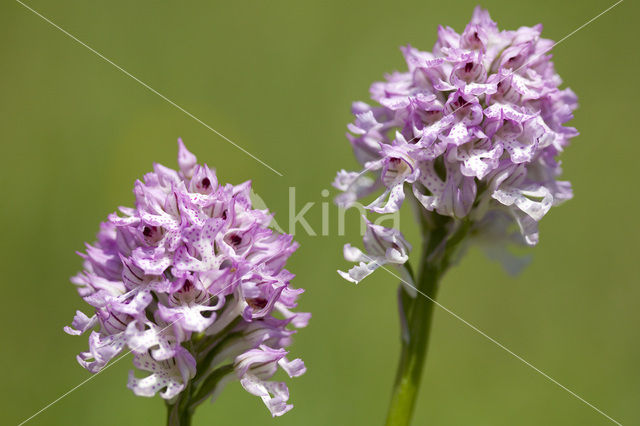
471	130
191	280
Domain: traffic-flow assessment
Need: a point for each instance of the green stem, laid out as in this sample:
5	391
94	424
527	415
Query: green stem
414	351
438	247
179	413
199	389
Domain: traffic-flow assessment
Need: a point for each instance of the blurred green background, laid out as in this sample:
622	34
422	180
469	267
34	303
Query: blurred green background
278	78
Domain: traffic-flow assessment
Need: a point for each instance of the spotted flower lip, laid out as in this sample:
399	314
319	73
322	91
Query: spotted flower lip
191	272
383	246
478	121
472	129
